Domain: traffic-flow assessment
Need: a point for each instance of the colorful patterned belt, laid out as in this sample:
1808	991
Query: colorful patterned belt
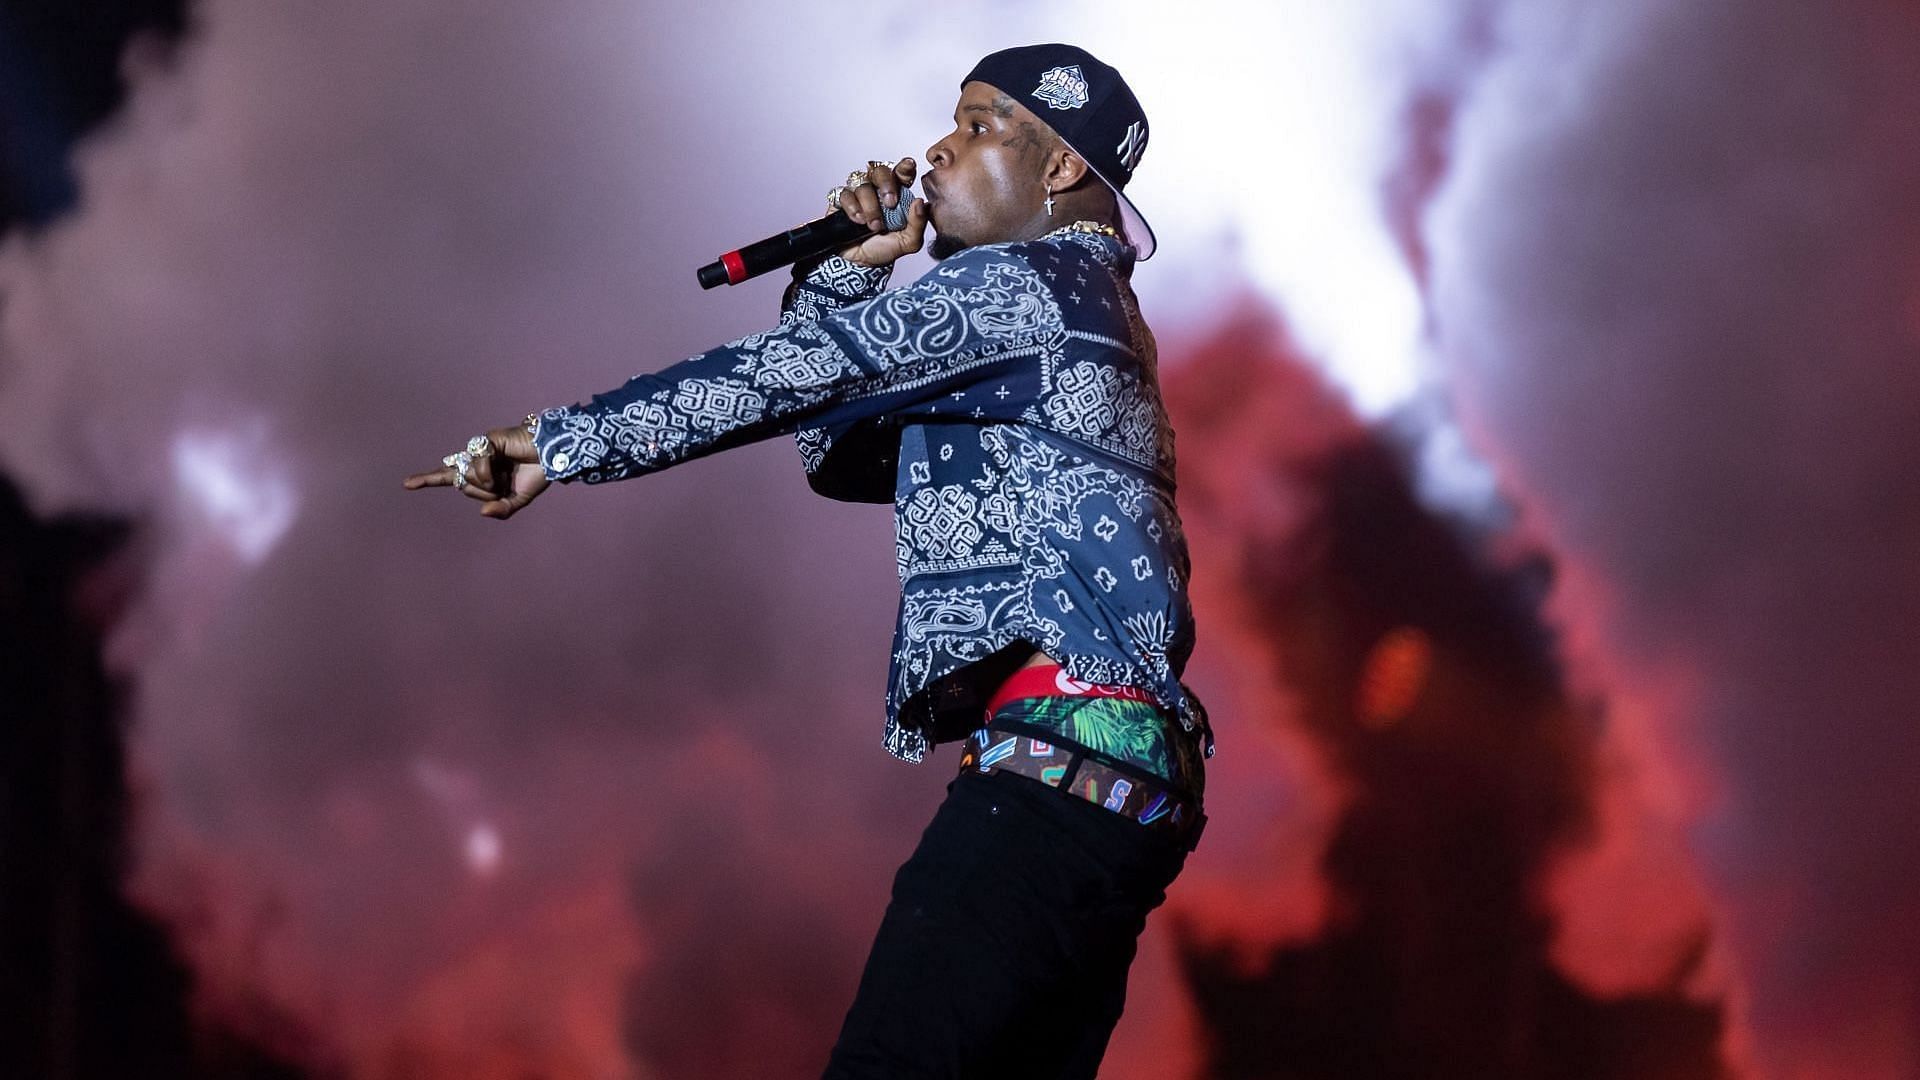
1007	745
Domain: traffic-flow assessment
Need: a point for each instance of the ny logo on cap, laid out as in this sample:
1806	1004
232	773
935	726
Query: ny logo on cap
1063	88
1133	145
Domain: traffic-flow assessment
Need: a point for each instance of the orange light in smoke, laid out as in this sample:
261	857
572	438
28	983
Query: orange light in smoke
1396	672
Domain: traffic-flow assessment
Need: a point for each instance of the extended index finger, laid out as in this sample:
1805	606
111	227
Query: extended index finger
442	477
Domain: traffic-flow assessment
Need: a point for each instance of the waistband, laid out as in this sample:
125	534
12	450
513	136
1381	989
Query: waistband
1051	680
1009	746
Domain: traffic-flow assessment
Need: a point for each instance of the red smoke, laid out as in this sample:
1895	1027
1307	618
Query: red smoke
1419	674
1673	280
1675	313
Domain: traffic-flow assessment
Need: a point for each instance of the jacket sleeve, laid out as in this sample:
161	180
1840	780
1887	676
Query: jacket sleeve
823	286
980	315
819	289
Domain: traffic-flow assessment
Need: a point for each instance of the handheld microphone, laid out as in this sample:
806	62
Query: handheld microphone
834	231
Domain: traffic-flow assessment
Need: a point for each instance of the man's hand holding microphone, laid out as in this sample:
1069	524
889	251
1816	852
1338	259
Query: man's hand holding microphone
867	202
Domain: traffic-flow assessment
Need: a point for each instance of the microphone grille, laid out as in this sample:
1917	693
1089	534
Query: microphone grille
897	215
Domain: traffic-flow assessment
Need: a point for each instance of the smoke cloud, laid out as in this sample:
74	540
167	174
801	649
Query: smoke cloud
1673	279
423	794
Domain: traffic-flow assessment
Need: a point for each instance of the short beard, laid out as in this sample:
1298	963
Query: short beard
945	244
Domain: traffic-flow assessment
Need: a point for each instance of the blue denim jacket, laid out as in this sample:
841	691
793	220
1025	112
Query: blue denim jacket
1008	405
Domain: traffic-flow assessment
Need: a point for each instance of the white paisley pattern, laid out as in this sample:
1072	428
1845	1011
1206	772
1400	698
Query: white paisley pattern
1007	404
942	523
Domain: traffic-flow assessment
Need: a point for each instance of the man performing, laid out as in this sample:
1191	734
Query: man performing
1008	405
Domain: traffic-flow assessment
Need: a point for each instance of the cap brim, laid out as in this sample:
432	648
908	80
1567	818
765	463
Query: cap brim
1132	222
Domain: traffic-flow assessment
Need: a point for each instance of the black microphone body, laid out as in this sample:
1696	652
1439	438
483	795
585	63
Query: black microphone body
830	233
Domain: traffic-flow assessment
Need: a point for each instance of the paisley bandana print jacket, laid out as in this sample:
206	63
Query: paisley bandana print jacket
1008	405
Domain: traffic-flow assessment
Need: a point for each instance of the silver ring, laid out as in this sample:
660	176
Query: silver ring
461	462
479	446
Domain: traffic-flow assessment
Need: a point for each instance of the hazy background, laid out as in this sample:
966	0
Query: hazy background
599	792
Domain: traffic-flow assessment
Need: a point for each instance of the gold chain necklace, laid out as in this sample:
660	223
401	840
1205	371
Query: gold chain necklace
1094	227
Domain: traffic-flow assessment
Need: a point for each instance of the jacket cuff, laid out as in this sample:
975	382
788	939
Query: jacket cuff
561	443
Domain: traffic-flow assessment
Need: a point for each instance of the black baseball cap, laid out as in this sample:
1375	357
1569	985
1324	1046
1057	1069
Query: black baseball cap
1088	105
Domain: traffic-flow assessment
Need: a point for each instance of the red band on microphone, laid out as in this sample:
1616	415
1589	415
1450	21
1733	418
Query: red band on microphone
736	267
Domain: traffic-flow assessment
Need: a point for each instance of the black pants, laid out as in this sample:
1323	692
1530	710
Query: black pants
1005	948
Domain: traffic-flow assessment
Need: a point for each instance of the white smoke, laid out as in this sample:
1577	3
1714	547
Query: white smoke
336	240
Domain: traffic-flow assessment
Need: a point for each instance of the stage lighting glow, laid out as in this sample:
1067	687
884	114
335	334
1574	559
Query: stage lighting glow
1275	127
483	850
227	476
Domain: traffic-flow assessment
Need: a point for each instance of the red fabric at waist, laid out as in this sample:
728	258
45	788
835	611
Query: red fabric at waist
1050	680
